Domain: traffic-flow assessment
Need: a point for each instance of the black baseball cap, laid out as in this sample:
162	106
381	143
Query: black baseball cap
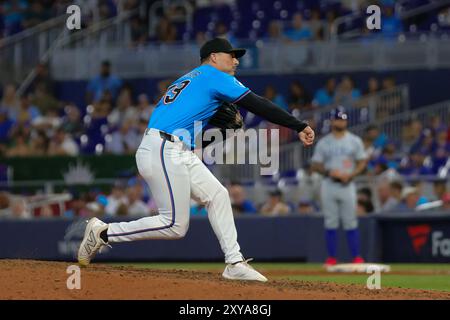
220	45
339	113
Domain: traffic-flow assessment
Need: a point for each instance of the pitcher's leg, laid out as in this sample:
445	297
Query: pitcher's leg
207	189
169	183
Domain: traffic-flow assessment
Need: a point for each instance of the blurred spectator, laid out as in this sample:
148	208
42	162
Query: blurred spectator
419	185
439	189
325	96
94	209
165	30
271	94
346	93
389	195
388	159
200	38
414	164
48	121
19	209
275	205
71	122
299	98
426	143
298	31
239	201
20	146
43	79
379	138
364	198
6	125
123	141
116	198
441	152
392	25
35	14
106	9
46	211
436	124
446	202
144	108
410	197
330	17
365	194
136	207
373	86
62	144
221	31
138	32
40	144
42	99
125	111
9	101
316	26
388	83
4	204
411	133
274	31
105	81
27	111
13	15
363	208
306	207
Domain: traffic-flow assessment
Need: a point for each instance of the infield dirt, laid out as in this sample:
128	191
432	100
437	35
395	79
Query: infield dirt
27	279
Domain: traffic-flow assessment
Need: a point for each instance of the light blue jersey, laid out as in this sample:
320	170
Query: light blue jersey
196	96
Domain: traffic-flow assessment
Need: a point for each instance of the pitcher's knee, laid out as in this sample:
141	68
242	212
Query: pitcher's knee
179	230
221	193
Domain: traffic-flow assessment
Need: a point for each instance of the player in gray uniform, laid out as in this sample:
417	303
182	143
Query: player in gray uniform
339	157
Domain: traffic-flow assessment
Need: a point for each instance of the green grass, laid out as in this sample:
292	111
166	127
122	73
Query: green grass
414	281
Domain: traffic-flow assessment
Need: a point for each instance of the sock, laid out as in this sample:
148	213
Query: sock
104	235
331	239
353	242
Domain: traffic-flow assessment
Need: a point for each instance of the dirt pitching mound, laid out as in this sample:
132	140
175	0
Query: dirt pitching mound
27	279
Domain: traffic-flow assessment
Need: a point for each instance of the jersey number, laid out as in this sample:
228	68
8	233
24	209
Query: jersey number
174	91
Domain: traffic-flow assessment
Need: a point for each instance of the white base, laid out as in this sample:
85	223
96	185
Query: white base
358	267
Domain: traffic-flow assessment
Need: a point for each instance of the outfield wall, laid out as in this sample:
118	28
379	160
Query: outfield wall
424	238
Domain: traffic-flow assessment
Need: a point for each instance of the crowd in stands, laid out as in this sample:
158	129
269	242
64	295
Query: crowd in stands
115	116
285	20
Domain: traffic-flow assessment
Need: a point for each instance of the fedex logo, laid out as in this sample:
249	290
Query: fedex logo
440	245
419	235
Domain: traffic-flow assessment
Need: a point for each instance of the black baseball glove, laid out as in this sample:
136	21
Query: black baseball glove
227	117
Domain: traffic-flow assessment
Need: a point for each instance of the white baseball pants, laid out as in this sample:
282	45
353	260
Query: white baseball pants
175	174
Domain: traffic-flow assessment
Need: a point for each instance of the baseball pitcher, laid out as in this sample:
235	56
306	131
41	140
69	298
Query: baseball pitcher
339	157
166	160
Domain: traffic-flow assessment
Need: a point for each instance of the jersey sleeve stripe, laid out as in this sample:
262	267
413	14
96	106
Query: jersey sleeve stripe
241	96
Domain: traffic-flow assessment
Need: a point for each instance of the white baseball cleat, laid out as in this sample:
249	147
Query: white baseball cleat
242	271
91	242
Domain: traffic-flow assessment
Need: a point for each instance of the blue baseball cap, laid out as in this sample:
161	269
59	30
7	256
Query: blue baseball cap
339	113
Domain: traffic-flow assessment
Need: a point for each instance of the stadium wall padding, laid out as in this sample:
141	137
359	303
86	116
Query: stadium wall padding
292	238
426	86
54	168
